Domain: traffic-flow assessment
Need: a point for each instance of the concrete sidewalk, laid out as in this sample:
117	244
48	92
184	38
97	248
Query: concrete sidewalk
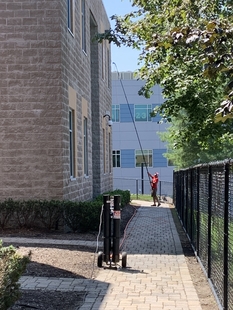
156	277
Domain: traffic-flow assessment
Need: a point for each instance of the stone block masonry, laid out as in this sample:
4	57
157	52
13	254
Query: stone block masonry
40	59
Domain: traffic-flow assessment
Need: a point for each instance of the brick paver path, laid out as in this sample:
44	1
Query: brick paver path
156	276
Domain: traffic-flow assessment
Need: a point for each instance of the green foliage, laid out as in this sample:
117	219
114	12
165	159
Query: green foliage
85	216
71	215
78	216
186	48
25	213
49	212
216	144
82	216
141	197
7	209
125	196
12	267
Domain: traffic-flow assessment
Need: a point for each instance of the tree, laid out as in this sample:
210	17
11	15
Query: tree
217	145
187	49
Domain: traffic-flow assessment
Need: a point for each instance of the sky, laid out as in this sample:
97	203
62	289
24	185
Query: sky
126	58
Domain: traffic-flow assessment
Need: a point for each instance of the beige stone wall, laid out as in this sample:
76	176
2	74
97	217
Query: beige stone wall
82	71
30	100
43	68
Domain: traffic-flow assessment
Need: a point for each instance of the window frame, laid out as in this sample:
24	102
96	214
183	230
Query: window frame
108	68
104	150
146	118
146	153
109	153
85	146
71	143
116	113
83	25
70	16
116	159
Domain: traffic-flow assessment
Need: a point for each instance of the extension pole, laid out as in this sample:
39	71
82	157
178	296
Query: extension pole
142	176
116	229
107	228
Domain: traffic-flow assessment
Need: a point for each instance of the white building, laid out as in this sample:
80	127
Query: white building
135	137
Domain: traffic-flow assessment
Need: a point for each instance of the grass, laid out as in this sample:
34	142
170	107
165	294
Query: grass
140	197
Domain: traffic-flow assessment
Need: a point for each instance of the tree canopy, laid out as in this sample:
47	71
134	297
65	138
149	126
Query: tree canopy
186	48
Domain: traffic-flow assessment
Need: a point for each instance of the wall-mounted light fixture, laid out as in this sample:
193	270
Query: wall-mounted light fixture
110	122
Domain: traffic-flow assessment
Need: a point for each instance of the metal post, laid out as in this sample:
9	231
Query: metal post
198	211
226	233
191	204
186	201
137	188
209	219
107	228
142	177
116	229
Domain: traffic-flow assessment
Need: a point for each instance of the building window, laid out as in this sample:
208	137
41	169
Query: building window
109	153
108	68
142	157
104	150
142	112
85	147
115	113
103	60
71	131
116	159
70	11
83	13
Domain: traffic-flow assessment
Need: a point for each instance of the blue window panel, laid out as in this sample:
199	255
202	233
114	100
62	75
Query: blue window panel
115	112
125	115
158	117
127	159
158	159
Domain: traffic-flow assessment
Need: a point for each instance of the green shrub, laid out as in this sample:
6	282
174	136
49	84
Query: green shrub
12	267
90	216
82	216
7	208
125	196
72	215
25	213
78	216
49	212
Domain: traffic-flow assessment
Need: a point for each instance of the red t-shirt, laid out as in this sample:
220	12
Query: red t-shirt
154	182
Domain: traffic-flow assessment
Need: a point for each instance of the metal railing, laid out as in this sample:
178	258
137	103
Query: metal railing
142	186
203	197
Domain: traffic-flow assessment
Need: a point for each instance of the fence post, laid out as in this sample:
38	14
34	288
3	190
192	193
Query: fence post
181	182
198	211
186	200
226	205
191	205
137	188
209	218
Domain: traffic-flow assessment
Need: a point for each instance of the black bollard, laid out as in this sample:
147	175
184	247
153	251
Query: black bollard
116	229
107	228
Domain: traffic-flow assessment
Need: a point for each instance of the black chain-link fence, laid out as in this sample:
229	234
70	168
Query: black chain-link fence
203	196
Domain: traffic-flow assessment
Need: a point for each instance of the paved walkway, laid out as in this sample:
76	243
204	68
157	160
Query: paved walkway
156	277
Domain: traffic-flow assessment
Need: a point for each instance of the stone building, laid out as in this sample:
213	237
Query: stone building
54	91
